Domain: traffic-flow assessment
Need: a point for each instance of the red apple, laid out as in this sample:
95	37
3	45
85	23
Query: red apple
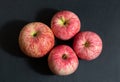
36	39
62	60
87	45
65	24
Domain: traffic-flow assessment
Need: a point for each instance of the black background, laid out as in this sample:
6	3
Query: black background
100	16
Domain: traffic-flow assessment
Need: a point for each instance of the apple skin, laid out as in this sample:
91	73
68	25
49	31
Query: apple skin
36	39
62	60
65	24
87	45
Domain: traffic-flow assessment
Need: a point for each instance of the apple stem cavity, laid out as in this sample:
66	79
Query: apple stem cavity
86	44
64	56
62	21
34	34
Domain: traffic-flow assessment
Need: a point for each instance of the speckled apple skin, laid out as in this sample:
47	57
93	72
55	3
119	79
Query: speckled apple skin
95	45
60	66
65	32
39	45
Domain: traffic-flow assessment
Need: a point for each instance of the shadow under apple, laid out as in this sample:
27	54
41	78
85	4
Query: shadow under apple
40	65
45	15
9	34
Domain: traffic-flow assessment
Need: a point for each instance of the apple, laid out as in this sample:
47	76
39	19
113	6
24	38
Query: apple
62	60
36	39
65	24
87	45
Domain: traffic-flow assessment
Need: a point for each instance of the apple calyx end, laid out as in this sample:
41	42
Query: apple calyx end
64	56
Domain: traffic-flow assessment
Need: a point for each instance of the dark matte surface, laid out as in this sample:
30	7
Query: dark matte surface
100	16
